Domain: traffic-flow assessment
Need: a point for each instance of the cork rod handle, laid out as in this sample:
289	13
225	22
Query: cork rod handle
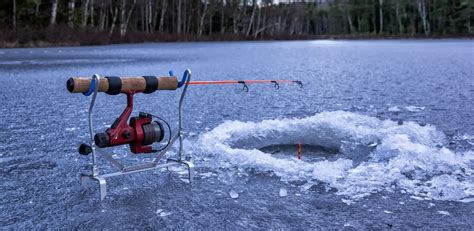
115	85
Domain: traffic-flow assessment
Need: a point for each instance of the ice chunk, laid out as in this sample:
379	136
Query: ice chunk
233	194
446	213
205	174
414	108
417	198
394	109
467	200
162	213
283	192
388	212
347	201
371	145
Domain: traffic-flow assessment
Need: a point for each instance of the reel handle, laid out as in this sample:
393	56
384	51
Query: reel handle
113	85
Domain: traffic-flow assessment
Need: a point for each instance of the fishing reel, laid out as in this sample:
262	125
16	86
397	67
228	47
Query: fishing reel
139	132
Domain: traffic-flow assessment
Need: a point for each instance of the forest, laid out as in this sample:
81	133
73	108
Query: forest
29	23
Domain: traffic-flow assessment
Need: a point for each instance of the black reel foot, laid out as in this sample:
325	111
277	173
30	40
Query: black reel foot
85	149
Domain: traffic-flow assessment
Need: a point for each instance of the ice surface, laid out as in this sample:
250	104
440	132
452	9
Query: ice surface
409	157
435	74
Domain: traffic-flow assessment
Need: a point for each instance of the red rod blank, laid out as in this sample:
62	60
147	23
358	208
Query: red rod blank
237	82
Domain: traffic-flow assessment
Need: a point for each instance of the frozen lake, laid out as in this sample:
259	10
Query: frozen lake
387	129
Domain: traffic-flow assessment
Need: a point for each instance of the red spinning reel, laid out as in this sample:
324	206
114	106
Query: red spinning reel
139	133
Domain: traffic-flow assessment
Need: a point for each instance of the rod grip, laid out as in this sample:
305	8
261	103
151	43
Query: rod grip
114	85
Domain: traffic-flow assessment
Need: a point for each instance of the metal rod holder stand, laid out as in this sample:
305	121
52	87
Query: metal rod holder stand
123	170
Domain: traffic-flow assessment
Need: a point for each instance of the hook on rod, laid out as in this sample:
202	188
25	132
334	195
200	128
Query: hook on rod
277	86
300	84
245	88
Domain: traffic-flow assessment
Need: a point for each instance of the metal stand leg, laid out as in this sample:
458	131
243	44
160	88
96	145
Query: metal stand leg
189	164
102	184
103	187
181	159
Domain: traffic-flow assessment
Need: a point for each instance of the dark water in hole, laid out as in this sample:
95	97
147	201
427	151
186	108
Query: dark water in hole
416	176
307	152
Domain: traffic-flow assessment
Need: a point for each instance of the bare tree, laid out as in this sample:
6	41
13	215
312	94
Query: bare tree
398	17
102	16
423	15
210	14
235	16
223	2
374	17
164	5
201	20
125	16
14	14
71	9
91	12
257	25
150	16
85	12
155	16
54	12
37	6
349	19
114	11
144	15
468	13
381	15
178	23
252	16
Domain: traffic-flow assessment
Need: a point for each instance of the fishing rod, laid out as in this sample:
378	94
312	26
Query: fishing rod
149	84
142	131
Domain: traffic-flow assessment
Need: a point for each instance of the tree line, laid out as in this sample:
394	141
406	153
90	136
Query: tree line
250	19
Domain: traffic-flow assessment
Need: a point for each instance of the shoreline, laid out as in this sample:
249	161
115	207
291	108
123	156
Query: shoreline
58	37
